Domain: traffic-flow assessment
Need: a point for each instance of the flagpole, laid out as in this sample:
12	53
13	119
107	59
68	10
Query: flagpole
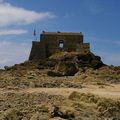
34	34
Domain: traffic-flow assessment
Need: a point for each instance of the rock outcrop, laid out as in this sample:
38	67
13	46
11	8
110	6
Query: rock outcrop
67	64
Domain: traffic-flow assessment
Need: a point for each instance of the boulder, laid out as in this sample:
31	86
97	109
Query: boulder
64	112
66	68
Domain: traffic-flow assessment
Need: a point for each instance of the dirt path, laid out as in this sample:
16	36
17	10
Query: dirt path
112	91
108	92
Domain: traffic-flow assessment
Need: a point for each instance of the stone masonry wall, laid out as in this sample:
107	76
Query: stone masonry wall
37	51
50	44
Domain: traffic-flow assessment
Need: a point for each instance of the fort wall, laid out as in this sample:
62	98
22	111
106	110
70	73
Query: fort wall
51	43
38	51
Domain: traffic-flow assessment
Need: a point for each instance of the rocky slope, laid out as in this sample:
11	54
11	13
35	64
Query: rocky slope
62	70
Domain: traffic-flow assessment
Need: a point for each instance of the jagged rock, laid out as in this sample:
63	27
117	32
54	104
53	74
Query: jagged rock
64	112
89	60
70	64
66	68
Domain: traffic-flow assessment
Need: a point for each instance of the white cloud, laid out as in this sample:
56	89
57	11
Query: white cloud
10	15
12	31
13	53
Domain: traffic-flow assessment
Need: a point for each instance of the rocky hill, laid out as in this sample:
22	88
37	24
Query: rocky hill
66	86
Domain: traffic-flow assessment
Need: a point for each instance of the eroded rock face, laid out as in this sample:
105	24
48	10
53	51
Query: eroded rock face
66	68
70	63
65	64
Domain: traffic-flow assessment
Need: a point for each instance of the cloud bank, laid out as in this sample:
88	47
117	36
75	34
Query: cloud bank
10	15
12	31
12	53
12	19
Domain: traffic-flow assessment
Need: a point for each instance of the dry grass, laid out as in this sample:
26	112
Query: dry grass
106	107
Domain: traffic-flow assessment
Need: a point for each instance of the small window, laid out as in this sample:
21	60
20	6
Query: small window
61	44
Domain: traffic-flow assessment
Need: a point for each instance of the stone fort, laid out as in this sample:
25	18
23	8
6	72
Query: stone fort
53	42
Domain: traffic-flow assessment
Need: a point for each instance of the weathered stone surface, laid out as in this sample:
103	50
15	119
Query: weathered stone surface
50	43
66	68
70	63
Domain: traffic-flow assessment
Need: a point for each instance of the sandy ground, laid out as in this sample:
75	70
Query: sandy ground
108	92
111	91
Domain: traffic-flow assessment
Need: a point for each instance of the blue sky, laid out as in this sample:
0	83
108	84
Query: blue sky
99	20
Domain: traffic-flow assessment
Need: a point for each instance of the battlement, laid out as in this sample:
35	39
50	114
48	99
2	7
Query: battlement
52	42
